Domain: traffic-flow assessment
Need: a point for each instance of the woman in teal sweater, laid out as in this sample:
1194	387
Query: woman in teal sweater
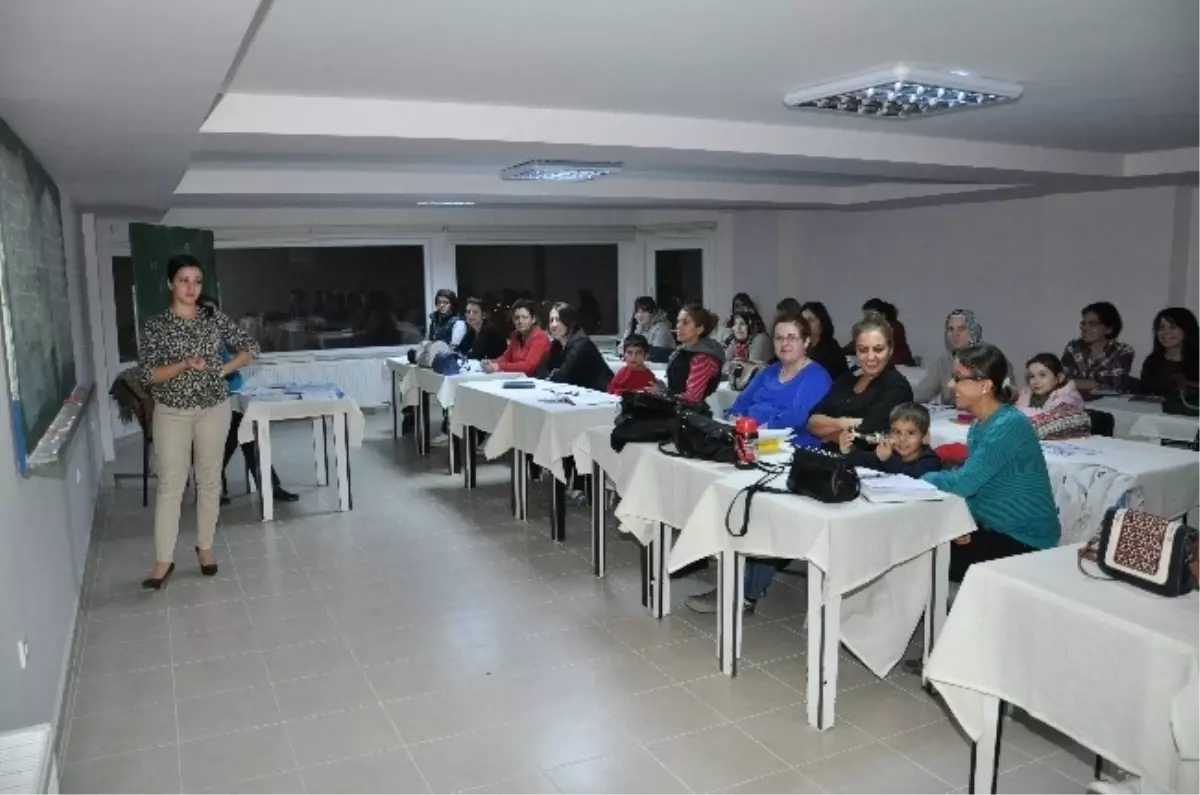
1004	479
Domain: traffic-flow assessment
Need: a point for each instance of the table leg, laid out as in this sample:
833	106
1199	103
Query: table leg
645	561
599	520
935	608
824	638
985	753
731	592
325	439
470	439
523	494
456	444
660	550
395	409
319	451
558	511
425	446
262	429
341	454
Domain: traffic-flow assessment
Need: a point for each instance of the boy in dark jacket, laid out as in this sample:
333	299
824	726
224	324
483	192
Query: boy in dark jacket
905	452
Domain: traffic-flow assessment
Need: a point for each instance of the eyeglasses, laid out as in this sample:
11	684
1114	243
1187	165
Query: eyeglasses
958	379
793	338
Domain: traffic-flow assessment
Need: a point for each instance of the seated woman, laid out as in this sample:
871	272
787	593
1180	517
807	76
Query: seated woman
577	360
742	302
1004	479
824	349
694	369
862	401
779	396
783	394
902	354
482	340
445	324
962	330
1172	366
652	323
1096	360
528	347
749	342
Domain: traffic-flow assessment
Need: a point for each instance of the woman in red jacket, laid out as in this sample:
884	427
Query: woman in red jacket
528	347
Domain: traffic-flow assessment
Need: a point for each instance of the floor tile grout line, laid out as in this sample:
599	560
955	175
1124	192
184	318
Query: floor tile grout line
175	703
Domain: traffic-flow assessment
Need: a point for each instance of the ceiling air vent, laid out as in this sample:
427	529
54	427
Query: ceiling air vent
560	170
904	92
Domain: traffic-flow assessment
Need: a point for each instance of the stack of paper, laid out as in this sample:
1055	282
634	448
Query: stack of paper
314	391
881	488
1067	450
267	393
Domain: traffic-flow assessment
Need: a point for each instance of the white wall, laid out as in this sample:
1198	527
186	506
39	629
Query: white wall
1025	266
44	535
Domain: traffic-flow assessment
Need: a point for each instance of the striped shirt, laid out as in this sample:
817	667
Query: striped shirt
1004	480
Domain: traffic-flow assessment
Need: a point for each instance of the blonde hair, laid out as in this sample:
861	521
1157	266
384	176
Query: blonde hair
873	321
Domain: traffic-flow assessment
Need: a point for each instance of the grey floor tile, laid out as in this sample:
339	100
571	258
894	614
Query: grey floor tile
222	713
383	772
750	692
339	735
226	759
111	733
632	771
123	691
304	698
1036	778
788	734
309	659
209	645
660	714
152	770
271	784
133	626
872	768
220	675
116	658
788	781
715	758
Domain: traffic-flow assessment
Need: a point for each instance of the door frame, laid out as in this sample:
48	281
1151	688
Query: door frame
682	243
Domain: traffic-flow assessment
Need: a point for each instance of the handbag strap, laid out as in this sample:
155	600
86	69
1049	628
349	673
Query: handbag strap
771	471
1089	551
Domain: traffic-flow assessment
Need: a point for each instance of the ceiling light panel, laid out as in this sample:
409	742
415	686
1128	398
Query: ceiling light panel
445	204
560	170
904	92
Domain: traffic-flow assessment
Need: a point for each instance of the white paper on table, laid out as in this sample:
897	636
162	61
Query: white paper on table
888	488
1066	450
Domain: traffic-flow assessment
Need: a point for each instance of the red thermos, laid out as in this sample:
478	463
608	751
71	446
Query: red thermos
745	440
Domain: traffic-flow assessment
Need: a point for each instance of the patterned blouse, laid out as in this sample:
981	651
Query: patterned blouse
1110	370
168	338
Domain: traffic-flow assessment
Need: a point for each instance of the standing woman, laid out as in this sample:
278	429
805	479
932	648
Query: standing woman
577	360
862	401
445	324
181	362
824	349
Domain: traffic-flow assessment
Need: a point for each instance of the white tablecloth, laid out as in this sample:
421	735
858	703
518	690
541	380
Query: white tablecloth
363	379
528	420
1136	419
406	384
308	408
656	488
594	446
855	544
1101	661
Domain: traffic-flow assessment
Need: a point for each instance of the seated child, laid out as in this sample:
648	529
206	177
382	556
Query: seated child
1052	401
635	375
905	452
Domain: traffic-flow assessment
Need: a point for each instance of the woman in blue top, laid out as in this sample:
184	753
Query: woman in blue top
783	393
1004	479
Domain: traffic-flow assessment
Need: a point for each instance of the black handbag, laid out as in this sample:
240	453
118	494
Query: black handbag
644	417
1155	554
1185	403
700	436
823	476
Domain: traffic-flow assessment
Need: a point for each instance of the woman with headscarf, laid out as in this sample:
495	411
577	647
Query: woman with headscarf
962	331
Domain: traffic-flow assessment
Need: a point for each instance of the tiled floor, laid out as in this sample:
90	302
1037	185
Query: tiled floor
425	642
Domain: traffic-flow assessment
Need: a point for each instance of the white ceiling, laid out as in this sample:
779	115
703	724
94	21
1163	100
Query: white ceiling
381	102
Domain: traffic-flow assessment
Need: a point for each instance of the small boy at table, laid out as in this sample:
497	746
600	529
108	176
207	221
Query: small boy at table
905	452
635	375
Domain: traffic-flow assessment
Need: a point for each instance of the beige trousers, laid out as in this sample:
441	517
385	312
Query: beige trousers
176	433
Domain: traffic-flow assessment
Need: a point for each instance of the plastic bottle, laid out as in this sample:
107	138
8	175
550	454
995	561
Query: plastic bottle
745	441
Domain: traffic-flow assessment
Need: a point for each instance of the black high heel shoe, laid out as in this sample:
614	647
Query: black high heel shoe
208	570
156	583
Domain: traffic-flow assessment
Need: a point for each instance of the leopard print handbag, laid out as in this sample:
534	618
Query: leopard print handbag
1155	554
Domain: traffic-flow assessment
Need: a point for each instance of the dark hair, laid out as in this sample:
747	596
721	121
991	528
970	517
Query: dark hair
873	321
822	314
450	296
701	317
1107	314
208	305
747	304
1183	319
988	363
526	304
882	307
1049	361
911	412
179	262
798	319
789	305
643	303
477	302
753	322
636	341
567	315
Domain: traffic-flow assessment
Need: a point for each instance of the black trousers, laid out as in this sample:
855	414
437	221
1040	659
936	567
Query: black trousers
985	545
249	451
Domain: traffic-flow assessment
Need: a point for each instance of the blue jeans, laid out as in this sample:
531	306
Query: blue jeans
760	573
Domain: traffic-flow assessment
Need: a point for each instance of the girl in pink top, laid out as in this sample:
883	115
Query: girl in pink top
1049	388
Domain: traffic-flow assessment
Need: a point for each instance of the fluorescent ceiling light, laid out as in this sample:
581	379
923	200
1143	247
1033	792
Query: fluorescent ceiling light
445	204
904	92
559	170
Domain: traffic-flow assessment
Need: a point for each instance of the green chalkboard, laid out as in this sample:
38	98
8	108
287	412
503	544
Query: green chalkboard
151	248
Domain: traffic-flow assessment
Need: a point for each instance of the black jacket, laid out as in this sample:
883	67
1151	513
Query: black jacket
679	366
487	343
874	406
927	461
579	363
828	354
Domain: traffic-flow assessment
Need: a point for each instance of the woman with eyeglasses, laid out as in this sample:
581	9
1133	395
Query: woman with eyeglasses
1097	360
783	393
1004	479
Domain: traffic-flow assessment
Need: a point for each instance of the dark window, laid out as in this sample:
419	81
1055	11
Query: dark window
582	275
123	297
325	297
678	278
